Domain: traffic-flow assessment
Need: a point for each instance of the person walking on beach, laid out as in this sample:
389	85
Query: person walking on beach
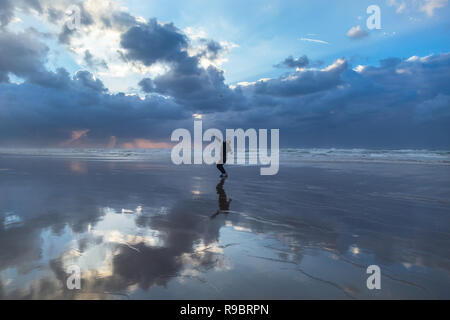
223	156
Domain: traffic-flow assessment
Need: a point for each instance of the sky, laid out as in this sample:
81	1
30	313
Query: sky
127	73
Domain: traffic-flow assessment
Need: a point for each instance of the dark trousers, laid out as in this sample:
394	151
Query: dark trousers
223	159
220	167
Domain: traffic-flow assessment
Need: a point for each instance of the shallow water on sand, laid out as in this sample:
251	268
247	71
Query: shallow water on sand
145	230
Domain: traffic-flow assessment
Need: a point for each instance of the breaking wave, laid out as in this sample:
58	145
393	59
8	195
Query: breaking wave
287	156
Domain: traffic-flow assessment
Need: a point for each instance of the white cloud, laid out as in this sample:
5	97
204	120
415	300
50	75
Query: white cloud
432	5
357	33
195	33
313	40
427	6
400	5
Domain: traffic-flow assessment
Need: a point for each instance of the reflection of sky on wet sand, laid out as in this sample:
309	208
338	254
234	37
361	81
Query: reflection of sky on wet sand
140	230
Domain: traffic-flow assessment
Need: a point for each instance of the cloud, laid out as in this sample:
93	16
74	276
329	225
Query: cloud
427	6
357	33
76	135
147	85
145	144
94	63
112	142
213	49
400	5
47	113
431	5
187	81
89	81
313	40
8	7
21	54
6	12
153	42
400	102
302	82
290	62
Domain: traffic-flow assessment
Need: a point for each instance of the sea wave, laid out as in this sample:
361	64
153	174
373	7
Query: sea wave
287	155
367	155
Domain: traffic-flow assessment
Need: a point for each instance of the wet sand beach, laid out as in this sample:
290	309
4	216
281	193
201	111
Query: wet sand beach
152	230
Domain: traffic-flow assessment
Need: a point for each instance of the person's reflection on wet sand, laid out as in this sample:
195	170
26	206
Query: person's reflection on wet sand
224	204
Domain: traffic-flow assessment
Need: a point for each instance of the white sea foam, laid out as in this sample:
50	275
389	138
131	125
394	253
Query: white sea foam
287	155
366	155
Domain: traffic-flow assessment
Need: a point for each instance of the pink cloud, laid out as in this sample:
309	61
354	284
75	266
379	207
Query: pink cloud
145	144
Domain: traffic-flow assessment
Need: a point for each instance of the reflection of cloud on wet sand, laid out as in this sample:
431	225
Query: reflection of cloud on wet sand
112	260
167	237
78	167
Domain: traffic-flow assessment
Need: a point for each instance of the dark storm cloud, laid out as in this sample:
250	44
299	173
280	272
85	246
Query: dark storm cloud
213	49
21	54
201	91
154	42
398	103
48	106
191	85
6	12
291	62
147	85
303	82
87	80
47	112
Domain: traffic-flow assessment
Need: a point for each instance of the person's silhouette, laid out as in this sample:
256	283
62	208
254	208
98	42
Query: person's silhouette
224	204
223	156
